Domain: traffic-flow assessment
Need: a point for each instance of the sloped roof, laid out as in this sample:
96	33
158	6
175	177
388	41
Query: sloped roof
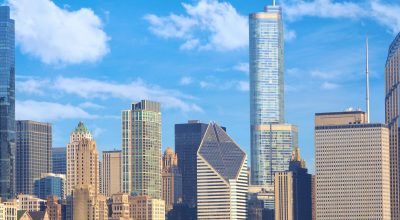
37	215
221	152
81	128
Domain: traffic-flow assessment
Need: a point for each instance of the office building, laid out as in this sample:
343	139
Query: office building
53	208
50	184
171	179
146	208
82	160
111	172
293	191
272	141
120	206
392	103
30	203
352	167
187	141
141	149
7	104
222	181
9	210
59	156
33	157
88	203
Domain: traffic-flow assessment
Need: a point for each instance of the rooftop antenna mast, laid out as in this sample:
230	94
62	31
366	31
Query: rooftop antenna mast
367	78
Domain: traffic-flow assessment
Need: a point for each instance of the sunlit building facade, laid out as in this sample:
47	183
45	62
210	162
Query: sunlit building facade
392	104
7	104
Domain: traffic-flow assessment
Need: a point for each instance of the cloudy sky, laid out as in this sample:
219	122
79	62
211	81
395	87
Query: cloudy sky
88	60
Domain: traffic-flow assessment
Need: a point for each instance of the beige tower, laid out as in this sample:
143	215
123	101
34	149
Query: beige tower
111	172
352	167
82	160
284	196
171	179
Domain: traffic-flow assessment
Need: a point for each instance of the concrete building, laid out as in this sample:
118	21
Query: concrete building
34	143
111	172
222	181
120	206
352	167
7	104
284	196
146	208
53	208
82	160
30	203
50	184
171	179
59	156
141	149
88	203
392	104
9	210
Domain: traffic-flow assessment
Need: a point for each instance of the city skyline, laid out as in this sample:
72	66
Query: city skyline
116	70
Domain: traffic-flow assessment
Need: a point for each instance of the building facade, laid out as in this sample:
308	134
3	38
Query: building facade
9	210
82	160
88	203
30	203
111	172
351	156
284	196
34	155
171	179
222	180
392	91
272	141
7	104
53	208
50	184
59	156
141	149
146	208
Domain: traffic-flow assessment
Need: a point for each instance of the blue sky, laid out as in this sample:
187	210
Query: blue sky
88	60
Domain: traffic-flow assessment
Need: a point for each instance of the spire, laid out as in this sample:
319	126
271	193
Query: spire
296	154
367	79
81	128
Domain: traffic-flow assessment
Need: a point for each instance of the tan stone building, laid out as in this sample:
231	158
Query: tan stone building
53	208
284	196
111	172
352	167
30	202
9	210
82	160
89	204
171	179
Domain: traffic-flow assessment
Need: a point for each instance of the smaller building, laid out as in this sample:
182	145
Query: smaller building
50	184
146	208
59	160
87	203
53	208
171	180
111	172
9	210
30	203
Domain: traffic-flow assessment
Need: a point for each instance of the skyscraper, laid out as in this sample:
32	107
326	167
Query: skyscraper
111	172
352	167
59	156
82	161
33	155
188	137
50	184
222	181
171	179
141	149
7	104
392	90
272	141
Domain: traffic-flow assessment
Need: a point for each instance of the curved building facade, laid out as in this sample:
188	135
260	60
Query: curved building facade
392	112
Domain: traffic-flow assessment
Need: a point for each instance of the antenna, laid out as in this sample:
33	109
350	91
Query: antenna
367	78
273	2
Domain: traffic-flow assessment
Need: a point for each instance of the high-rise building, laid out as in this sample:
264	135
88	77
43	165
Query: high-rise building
293	191
141	149
82	160
111	172
7	104
50	184
272	141
392	103
352	167
88	203
33	155
222	181
171	179
59	156
188	137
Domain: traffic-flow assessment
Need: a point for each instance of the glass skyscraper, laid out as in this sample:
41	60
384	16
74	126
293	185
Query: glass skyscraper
59	156
272	141
141	149
7	104
392	92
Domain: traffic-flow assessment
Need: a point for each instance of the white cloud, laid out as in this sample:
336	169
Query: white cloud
242	67
289	35
387	15
329	86
323	74
225	27
32	86
186	80
97	132
219	84
243	86
91	105
57	35
49	111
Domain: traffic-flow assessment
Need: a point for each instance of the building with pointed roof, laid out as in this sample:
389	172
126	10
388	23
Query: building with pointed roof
222	179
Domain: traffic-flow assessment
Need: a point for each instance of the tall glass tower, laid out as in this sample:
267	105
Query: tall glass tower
392	93
7	104
272	141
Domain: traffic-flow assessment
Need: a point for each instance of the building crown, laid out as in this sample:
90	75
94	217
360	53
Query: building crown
81	128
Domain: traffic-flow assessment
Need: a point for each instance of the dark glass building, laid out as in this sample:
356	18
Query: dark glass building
50	184
7	104
59	160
